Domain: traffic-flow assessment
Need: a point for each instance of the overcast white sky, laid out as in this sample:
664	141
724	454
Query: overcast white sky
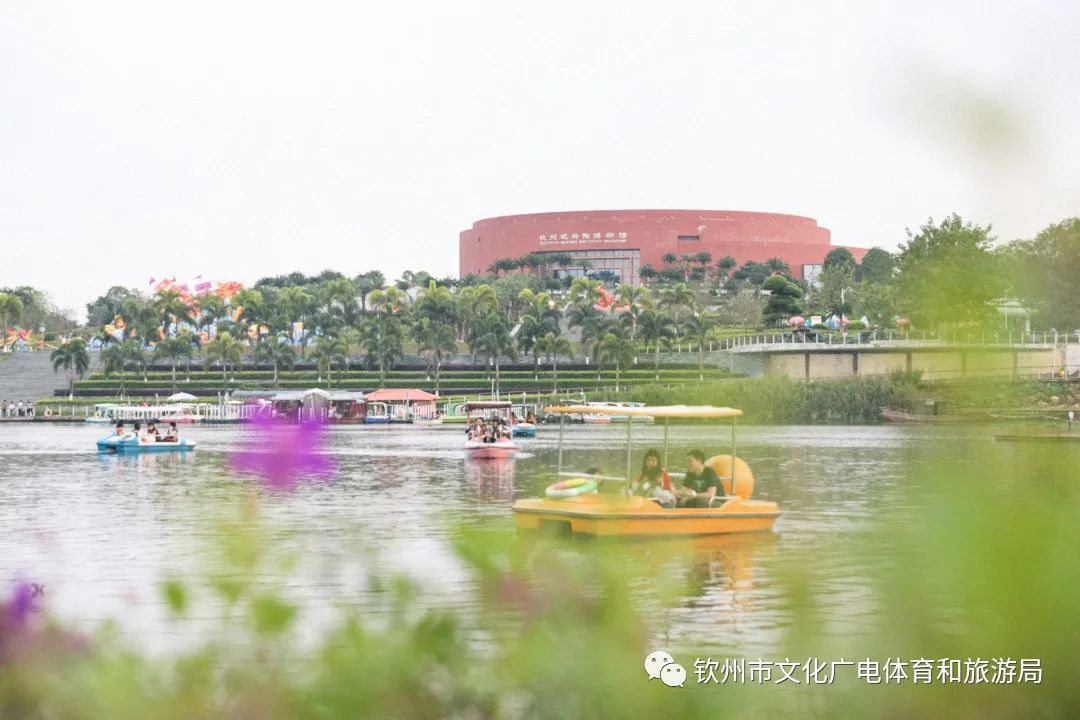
237	140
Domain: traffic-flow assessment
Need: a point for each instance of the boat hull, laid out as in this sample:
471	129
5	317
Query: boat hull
134	445
620	516
490	451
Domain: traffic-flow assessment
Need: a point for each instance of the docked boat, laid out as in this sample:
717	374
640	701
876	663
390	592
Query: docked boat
496	445
580	504
133	443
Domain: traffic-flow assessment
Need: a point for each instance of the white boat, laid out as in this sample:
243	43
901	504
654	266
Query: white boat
601	417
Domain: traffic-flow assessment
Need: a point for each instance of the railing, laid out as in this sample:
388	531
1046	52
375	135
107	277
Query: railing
868	337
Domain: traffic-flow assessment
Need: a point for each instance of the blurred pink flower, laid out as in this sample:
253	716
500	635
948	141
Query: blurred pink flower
282	454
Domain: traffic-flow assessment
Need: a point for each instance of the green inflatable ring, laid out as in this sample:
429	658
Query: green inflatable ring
571	488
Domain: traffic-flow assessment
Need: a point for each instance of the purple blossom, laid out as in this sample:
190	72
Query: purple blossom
281	454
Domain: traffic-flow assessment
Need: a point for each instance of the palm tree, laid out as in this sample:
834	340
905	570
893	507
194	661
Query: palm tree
636	300
433	338
678	301
617	350
531	331
553	345
656	329
584	291
250	310
117	359
473	305
381	336
366	283
329	351
298	305
339	299
278	353
225	350
171	307
71	356
174	349
492	339
697	328
142	319
436	303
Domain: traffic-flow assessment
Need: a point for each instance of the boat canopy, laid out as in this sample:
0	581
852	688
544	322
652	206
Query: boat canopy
658	411
487	405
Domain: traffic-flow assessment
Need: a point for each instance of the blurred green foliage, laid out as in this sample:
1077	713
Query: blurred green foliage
984	565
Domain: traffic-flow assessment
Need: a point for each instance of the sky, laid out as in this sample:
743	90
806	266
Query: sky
237	140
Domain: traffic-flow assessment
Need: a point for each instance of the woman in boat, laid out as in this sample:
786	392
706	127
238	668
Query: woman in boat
653	480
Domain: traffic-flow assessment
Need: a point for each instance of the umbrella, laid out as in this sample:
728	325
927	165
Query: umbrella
181	397
796	320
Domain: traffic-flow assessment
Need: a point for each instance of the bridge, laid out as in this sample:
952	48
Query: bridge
811	355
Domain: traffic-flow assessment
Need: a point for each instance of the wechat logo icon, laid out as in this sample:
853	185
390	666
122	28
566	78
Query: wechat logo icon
660	665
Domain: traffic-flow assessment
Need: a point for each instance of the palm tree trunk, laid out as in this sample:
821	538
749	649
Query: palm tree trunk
496	376
225	375
438	371
275	373
701	361
617	381
555	374
174	374
657	359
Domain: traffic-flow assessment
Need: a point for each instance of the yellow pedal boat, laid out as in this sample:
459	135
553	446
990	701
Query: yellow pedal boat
621	515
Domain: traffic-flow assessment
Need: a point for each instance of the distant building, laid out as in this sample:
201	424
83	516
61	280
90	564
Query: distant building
616	244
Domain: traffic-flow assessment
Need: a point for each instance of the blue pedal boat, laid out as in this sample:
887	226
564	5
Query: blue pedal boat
131	443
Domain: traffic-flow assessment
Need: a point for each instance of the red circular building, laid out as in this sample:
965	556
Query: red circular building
622	241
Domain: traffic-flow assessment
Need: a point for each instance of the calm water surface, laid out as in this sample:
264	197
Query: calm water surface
101	532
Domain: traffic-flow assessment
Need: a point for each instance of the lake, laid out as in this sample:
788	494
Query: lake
101	532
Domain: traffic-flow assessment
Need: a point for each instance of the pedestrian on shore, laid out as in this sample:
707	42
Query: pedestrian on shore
19	409
3	408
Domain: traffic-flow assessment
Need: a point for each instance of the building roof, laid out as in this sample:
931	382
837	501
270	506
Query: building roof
400	395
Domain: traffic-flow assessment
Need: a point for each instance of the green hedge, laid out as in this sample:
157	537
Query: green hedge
213	376
514	384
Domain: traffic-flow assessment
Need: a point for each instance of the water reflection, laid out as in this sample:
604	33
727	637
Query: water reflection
491	479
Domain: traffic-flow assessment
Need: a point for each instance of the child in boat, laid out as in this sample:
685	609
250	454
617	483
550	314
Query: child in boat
701	483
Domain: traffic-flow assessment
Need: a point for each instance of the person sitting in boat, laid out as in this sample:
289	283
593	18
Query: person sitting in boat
120	432
152	433
701	483
173	434
653	480
530	418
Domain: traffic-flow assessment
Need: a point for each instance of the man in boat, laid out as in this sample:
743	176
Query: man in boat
119	429
700	484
